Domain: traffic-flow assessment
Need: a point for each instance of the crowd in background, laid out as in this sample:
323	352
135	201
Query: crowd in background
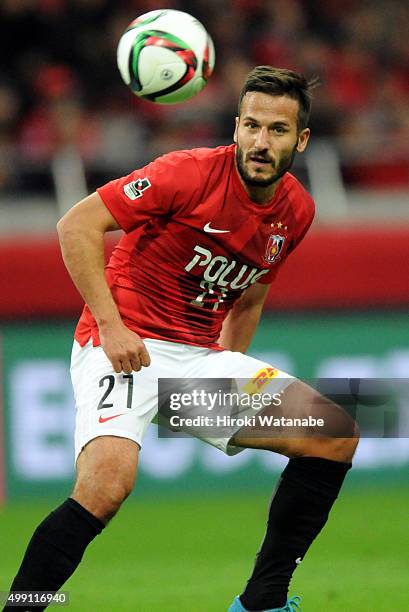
59	84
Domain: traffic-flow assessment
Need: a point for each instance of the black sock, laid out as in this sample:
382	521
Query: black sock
55	549
299	509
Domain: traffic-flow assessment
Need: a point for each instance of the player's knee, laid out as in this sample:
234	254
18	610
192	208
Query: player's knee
113	497
327	447
343	443
339	438
336	449
103	497
339	449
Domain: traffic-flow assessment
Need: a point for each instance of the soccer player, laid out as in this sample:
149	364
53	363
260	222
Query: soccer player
206	231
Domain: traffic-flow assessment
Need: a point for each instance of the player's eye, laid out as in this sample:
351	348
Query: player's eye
279	129
251	125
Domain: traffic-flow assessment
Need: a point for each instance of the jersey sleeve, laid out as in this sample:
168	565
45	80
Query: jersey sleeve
160	188
268	278
309	218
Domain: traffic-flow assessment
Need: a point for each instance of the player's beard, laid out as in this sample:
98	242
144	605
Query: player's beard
283	166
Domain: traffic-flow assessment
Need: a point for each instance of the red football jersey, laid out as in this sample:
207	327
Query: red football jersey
193	242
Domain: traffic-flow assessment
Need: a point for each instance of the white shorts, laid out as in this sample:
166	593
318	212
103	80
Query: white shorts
111	404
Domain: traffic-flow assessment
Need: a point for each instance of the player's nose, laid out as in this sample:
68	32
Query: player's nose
262	139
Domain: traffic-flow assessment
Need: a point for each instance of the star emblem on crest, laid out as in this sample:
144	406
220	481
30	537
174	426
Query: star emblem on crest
279	225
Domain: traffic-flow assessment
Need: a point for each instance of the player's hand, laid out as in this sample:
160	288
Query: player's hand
124	349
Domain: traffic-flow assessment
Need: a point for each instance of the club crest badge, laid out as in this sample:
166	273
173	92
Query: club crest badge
274	248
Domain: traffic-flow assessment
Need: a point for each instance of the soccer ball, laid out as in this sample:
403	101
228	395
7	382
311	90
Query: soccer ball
165	56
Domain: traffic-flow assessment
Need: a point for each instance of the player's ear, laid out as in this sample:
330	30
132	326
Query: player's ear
303	137
236	127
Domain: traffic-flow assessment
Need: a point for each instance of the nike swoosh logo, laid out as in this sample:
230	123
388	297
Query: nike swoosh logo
212	230
114	416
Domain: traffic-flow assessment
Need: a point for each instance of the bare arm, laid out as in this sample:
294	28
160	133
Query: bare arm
81	232
241	322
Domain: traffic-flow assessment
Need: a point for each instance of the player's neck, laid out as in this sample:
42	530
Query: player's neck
261	195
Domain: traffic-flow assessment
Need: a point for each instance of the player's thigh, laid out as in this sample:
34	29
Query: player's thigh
250	375
303	422
230	375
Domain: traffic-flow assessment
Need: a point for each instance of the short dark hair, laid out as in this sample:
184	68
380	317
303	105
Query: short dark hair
282	82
